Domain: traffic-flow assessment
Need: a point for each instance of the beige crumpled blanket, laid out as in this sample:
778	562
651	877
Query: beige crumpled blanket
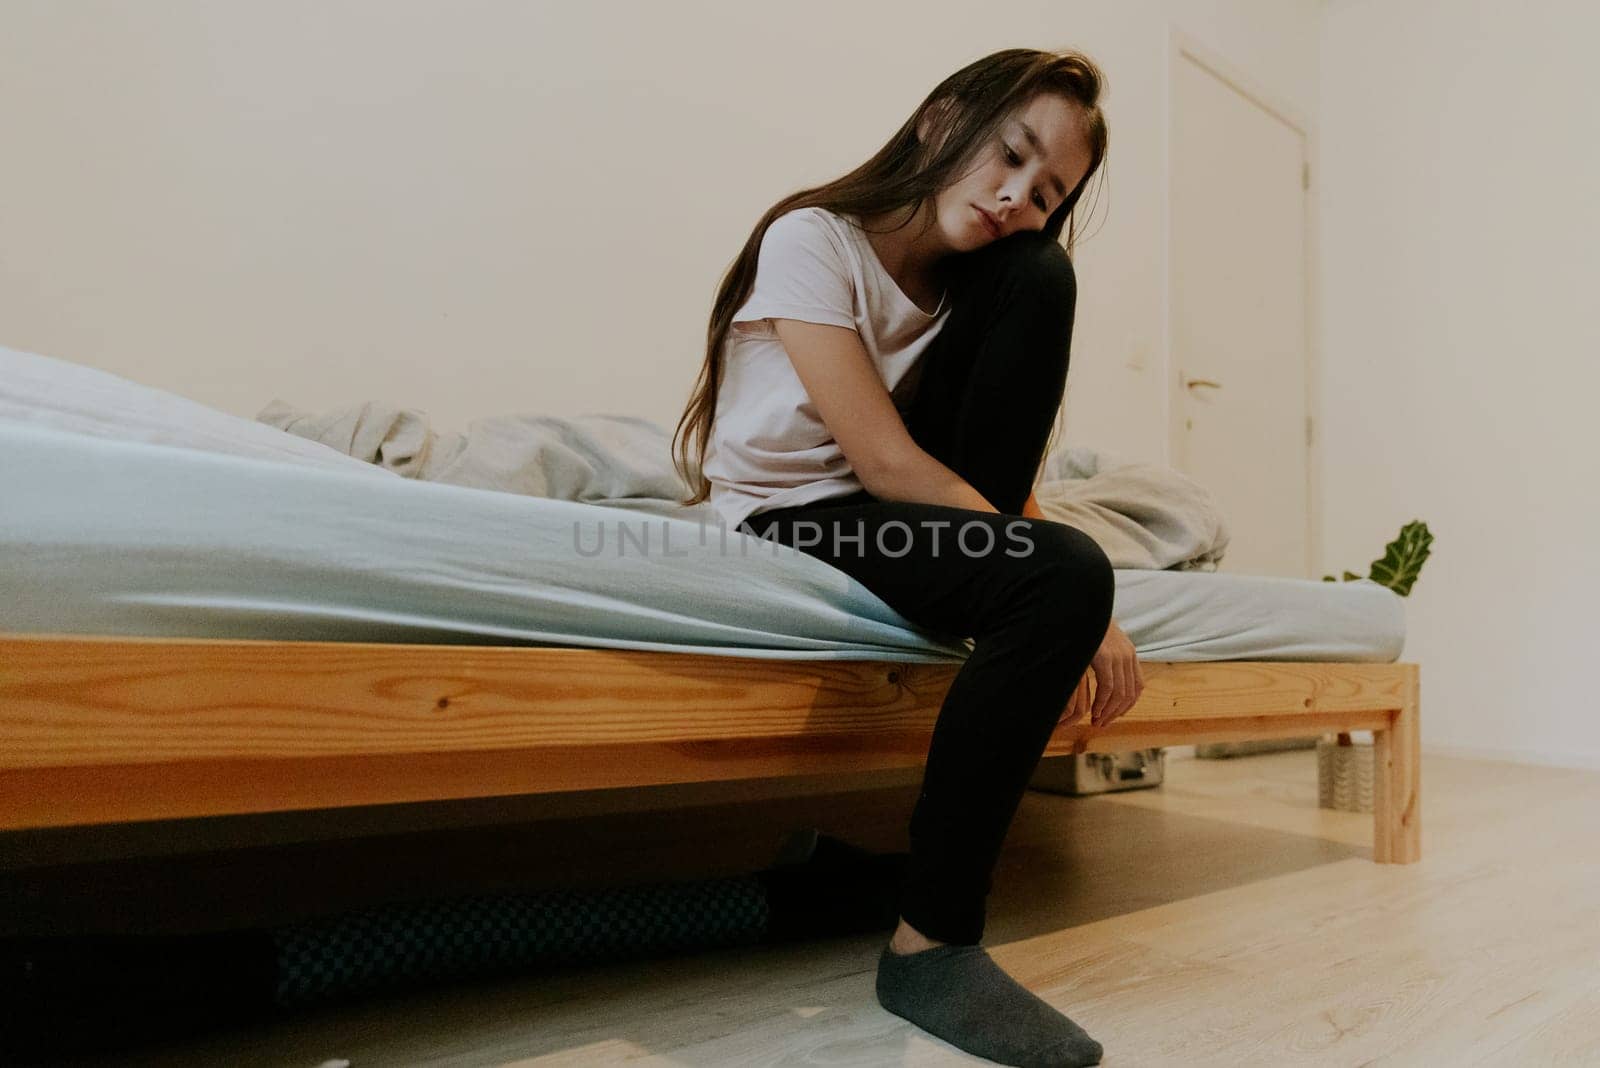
1144	516
590	458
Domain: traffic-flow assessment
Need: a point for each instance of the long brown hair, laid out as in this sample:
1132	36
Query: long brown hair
905	173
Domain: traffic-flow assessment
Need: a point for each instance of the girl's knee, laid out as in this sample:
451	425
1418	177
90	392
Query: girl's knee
1041	261
1051	540
1075	574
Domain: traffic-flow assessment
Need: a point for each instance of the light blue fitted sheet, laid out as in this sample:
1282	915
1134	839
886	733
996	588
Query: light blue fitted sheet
99	536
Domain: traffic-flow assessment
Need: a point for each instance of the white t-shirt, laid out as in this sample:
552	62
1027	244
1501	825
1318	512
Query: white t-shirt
768	446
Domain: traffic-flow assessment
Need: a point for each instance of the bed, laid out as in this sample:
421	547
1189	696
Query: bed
191	632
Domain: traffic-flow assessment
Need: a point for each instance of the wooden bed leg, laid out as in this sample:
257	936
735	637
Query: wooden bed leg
1397	782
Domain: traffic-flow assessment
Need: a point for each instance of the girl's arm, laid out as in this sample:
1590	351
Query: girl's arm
1030	508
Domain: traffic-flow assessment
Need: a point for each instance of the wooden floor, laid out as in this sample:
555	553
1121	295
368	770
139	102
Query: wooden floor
1222	918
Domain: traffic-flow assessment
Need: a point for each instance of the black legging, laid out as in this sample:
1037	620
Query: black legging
1035	595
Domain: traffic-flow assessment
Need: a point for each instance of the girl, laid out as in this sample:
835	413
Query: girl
885	360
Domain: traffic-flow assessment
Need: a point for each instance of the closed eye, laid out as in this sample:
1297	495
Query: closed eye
1016	161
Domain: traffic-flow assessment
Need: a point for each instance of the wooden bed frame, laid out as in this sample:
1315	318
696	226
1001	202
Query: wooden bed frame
117	730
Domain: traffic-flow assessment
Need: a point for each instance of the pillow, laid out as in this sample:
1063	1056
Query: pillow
53	393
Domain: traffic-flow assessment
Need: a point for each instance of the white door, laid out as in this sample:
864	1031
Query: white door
1240	418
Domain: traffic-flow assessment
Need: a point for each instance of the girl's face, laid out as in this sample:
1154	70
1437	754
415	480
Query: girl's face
1036	157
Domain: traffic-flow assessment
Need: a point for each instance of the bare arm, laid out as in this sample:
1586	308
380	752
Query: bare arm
920	478
833	366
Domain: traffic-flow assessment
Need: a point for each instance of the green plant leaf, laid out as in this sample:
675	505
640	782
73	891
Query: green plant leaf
1402	558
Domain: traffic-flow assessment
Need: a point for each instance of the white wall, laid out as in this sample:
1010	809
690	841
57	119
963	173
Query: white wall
1460	170
476	207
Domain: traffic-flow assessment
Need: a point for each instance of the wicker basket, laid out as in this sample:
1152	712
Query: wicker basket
1344	775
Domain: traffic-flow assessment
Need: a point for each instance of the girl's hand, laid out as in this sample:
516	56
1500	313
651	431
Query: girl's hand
1117	680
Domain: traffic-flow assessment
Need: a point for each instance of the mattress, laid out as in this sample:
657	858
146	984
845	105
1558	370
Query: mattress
128	537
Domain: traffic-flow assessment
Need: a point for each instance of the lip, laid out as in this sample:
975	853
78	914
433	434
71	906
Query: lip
988	221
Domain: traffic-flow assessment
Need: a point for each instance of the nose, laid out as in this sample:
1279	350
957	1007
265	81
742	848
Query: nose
1007	206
